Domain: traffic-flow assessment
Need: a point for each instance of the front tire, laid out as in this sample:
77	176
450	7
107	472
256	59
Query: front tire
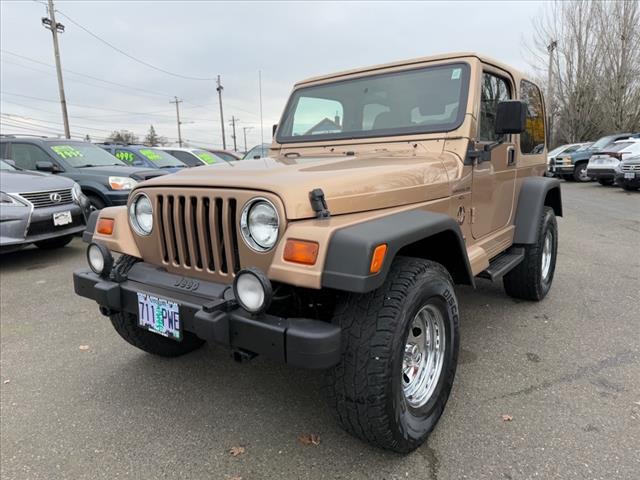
399	356
532	278
126	325
605	182
580	173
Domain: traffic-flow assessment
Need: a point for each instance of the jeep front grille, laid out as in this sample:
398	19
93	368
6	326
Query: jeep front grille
50	198
198	232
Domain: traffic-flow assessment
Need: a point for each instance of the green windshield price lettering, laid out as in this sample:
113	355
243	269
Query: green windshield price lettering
65	151
206	157
125	156
151	155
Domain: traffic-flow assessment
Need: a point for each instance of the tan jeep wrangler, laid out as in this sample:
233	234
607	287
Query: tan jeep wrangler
384	187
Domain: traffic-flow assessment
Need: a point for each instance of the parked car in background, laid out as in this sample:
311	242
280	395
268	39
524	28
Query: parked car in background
143	156
46	210
194	157
573	166
564	149
105	180
627	173
601	166
258	151
225	154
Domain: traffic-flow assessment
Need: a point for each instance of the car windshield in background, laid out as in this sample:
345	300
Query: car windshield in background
226	156
259	151
160	158
6	166
603	142
208	157
80	155
424	100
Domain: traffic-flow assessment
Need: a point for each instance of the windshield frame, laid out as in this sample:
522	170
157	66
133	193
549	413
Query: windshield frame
65	161
6	166
289	110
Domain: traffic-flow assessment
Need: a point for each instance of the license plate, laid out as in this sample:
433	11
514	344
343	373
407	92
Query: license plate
62	218
159	315
629	175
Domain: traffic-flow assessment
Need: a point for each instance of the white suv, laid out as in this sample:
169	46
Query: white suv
602	165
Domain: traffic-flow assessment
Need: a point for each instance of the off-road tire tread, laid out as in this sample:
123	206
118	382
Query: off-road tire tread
126	326
368	323
522	282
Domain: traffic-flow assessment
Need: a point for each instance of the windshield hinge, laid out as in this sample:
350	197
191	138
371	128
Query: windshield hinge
318	203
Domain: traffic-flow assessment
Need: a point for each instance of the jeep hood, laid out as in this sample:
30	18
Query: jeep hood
350	183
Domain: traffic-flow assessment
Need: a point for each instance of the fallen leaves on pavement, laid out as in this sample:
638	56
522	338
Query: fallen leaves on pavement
309	439
84	348
236	451
507	418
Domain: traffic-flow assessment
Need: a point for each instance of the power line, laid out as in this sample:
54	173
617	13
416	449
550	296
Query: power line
122	52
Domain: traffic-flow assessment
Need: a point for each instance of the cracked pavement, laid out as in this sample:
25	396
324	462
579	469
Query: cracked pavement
566	369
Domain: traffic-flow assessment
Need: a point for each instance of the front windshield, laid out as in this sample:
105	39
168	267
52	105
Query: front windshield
423	100
79	154
160	158
226	156
557	150
5	166
259	151
603	142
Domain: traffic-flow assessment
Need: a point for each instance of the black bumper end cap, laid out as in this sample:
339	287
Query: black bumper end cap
312	343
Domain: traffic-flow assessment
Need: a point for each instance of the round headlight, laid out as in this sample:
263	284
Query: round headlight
252	290
141	214
100	259
259	224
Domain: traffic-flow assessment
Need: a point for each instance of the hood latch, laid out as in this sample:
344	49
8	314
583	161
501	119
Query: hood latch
318	203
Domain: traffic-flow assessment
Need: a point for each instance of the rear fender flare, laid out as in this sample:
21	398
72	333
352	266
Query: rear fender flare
535	194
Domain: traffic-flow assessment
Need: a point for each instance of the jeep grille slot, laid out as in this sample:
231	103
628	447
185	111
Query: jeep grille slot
198	232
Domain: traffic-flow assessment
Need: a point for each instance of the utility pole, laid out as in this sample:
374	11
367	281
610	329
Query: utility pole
177	102
55	27
244	131
550	48
219	89
233	122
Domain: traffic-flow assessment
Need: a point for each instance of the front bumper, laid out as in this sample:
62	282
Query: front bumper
209	311
117	198
601	173
561	169
629	182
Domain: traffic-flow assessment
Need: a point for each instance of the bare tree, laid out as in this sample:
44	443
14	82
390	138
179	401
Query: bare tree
122	136
595	67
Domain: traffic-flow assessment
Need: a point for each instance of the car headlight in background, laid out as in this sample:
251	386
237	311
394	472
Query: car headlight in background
76	193
259	224
7	200
122	183
141	214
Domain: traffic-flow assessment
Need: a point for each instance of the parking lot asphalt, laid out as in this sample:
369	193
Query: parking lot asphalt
565	370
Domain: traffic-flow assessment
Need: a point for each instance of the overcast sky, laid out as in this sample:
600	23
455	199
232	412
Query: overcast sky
286	41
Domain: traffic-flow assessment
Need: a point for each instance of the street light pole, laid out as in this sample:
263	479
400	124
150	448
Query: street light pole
244	131
550	48
177	102
51	24
219	89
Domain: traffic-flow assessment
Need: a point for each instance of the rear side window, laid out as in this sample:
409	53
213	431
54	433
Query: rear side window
533	138
27	155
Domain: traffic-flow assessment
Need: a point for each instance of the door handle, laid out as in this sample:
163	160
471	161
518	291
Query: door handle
511	156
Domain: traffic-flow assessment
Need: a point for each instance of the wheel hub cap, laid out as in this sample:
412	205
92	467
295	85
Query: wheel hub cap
423	356
547	251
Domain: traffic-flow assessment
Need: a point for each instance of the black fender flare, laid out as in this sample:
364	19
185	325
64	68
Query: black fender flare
535	194
348	261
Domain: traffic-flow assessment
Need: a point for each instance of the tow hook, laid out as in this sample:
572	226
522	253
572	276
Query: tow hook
242	356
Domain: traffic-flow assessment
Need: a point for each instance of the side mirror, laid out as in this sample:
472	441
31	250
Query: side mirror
273	129
45	167
511	117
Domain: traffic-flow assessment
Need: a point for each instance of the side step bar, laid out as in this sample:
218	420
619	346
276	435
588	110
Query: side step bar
503	264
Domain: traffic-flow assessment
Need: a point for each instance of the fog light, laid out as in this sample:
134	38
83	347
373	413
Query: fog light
100	259
252	290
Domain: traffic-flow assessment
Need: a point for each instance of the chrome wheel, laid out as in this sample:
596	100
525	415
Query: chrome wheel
582	175
547	254
423	356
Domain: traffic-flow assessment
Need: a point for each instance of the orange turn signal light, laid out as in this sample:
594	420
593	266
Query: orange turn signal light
377	259
301	251
105	226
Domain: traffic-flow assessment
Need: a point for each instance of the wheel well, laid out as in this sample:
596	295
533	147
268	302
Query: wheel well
444	248
554	200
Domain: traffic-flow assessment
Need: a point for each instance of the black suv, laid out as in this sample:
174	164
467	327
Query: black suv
104	179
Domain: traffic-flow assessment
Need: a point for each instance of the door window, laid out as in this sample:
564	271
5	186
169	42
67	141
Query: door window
494	90
532	140
27	155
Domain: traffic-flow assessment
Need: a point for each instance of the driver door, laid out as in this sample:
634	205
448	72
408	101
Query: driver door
493	181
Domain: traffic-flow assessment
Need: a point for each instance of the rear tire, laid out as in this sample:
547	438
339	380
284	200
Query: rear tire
580	173
629	188
54	242
532	278
126	324
394	378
